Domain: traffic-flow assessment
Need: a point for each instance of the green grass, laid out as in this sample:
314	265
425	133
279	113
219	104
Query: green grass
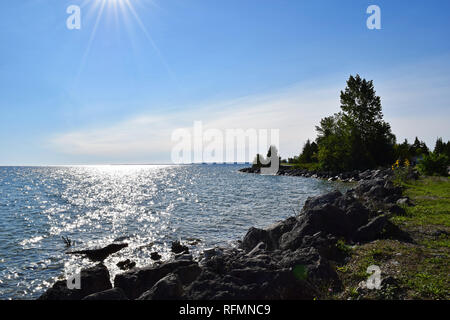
286	164
428	285
431	196
421	267
344	248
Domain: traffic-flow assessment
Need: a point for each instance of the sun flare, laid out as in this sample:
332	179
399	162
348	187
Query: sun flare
123	13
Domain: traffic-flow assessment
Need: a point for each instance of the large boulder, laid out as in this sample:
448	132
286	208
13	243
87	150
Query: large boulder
356	212
270	237
372	230
327	198
326	245
377	192
168	288
357	216
238	275
251	283
276	230
92	280
188	274
309	265
135	282
364	186
327	218
253	237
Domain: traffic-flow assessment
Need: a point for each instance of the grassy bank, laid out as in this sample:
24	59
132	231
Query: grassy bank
420	269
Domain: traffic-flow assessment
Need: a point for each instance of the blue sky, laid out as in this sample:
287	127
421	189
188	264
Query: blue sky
113	91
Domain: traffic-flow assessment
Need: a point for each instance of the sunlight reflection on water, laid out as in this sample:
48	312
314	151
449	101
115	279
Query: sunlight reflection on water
145	206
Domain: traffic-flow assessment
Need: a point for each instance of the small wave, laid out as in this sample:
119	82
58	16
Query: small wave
31	240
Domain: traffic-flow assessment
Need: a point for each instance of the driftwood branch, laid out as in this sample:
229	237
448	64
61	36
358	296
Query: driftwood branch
102	253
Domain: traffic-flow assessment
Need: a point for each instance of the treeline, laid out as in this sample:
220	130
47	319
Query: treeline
357	137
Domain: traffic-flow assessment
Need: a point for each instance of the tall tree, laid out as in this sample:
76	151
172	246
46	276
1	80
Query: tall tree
439	147
309	152
419	148
357	137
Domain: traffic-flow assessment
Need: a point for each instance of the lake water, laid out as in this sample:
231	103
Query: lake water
145	206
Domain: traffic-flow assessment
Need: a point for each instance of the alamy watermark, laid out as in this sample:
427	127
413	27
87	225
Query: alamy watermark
227	146
73	22
73	282
374	280
374	20
74	19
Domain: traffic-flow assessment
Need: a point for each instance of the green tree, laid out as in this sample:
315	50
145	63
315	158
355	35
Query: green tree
309	152
419	148
333	141
357	137
442	147
439	147
402	151
434	164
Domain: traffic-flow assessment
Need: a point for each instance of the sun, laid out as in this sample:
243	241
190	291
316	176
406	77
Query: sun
120	10
125	9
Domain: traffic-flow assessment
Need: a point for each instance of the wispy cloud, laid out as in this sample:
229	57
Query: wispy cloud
415	106
294	111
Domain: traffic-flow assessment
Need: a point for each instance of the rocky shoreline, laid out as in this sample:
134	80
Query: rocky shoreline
351	176
292	259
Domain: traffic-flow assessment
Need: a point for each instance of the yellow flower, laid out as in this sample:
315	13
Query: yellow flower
407	164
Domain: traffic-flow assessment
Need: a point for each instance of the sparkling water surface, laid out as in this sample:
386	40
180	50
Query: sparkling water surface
146	206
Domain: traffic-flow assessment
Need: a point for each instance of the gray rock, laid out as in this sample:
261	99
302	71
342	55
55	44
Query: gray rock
357	215
211	252
126	264
396	210
372	230
135	282
253	237
276	230
259	248
92	280
168	288
404	201
326	218
365	185
184	256
245	282
188	274
308	264
327	198
177	247
155	256
377	192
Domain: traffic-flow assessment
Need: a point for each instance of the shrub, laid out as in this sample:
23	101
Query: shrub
434	164
402	173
